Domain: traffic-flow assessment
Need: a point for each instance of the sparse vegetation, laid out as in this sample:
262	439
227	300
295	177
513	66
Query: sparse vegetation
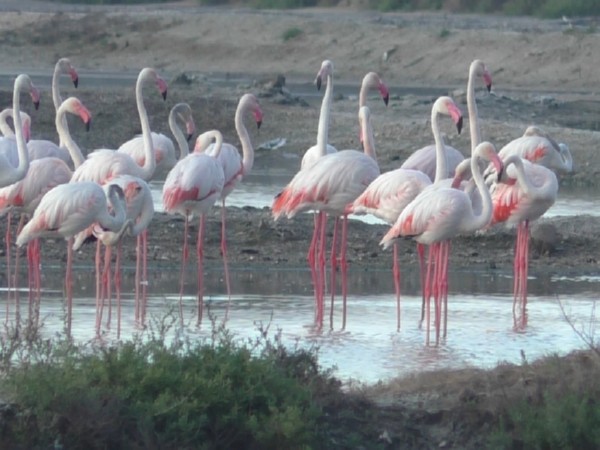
291	33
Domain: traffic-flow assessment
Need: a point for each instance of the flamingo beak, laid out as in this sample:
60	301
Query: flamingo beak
318	82
88	125
487	79
385	94
499	166
459	124
189	136
74	78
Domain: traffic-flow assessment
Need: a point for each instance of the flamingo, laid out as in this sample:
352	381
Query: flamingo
40	148
235	166
425	159
43	174
139	211
525	193
8	132
102	165
436	216
192	187
164	150
8	173
538	147
68	209
332	183
392	191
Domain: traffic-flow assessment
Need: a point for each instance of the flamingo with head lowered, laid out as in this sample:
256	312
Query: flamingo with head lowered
437	215
523	194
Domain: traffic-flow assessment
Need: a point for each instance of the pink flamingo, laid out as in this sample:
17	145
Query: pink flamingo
538	147
102	165
192	187
425	159
139	211
385	198
42	148
235	166
525	193
163	147
391	192
68	209
43	174
164	152
332	183
436	216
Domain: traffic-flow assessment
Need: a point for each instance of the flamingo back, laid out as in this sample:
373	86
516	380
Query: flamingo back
424	160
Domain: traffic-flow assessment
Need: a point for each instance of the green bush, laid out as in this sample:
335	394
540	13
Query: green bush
291	33
568	421
219	393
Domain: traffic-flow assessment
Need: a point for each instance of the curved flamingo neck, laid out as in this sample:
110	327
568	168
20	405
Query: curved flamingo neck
323	128
116	222
182	143
369	81
57	99
21	83
5	129
474	130
441	164
65	136
146	215
247	149
367	133
147	170
479	221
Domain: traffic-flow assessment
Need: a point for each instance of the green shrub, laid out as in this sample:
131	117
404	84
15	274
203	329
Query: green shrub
216	393
568	421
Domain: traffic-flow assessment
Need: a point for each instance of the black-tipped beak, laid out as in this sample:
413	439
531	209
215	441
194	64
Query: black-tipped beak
258	124
76	82
386	99
88	125
459	125
319	83
189	136
36	105
164	95
489	87
499	176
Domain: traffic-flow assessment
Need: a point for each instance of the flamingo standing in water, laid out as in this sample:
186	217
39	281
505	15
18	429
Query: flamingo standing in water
329	186
164	153
192	187
43	175
68	209
388	195
139	211
436	216
235	166
525	193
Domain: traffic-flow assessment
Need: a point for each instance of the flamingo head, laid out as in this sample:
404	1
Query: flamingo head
74	77
486	150
83	113
479	69
65	66
35	96
325	71
455	113
385	93
251	102
190	127
162	87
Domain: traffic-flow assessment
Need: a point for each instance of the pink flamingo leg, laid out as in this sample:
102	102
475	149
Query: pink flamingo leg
200	255
396	274
144	235
525	270
333	261
184	259
107	278
118	288
97	262
37	277
224	253
8	239
69	285
138	281
30	278
427	291
312	260
445	260
422	269
312	249
321	271
344	264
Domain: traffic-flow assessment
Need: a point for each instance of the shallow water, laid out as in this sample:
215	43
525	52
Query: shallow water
480	327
